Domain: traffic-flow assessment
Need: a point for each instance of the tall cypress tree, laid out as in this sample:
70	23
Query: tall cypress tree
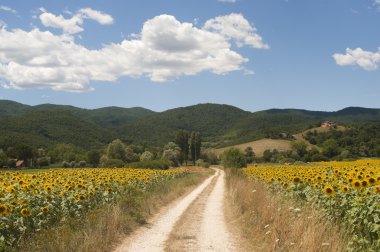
182	140
195	146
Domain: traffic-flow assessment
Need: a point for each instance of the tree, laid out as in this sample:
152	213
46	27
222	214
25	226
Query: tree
249	154
195	146
267	155
43	161
233	158
182	140
377	151
3	159
63	152
22	152
93	157
146	156
131	156
330	148
300	147
172	153
116	150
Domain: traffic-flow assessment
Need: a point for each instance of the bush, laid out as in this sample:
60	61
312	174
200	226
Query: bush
155	164
285	160
43	161
114	163
146	156
233	158
202	163
82	164
65	164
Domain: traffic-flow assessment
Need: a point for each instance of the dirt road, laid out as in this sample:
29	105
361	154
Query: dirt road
193	223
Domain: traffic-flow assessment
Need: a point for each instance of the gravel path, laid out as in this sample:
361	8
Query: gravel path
194	223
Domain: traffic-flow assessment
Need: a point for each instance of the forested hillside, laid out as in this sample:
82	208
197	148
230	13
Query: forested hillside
220	125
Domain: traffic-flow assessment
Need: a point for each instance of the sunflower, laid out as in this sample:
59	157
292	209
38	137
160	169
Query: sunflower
364	183
329	190
344	189
356	184
25	212
81	197
45	209
296	180
371	180
376	189
4	210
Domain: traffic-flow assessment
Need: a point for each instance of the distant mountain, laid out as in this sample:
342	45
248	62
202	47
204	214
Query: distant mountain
220	125
48	124
212	120
223	125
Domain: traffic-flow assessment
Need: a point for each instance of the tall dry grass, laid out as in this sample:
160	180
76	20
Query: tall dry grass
271	223
104	228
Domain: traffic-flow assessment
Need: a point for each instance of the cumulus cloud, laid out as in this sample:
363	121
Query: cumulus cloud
74	24
8	9
237	28
364	59
98	16
164	50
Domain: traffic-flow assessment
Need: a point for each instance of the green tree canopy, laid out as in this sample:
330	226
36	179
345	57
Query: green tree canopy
233	158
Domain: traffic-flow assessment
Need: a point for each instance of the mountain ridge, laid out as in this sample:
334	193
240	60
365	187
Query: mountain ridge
219	124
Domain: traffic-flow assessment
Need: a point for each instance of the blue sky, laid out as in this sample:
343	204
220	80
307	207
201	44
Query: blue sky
161	54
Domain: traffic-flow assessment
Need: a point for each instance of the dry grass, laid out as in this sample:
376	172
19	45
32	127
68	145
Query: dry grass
260	146
104	228
272	224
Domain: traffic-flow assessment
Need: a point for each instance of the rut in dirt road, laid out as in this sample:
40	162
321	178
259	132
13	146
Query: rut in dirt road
194	223
203	227
152	237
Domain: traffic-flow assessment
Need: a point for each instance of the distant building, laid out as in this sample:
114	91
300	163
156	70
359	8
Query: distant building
327	124
20	163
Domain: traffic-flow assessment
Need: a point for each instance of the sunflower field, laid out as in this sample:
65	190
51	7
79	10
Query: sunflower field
30	202
348	192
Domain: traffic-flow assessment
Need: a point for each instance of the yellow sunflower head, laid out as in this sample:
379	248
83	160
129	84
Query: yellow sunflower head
25	212
329	190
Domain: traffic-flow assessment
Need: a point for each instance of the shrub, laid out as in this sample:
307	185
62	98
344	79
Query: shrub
233	158
111	163
202	163
82	164
154	164
43	161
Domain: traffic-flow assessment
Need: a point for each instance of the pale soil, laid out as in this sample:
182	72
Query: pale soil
196	222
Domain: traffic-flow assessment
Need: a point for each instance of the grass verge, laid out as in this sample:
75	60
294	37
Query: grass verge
104	228
271	223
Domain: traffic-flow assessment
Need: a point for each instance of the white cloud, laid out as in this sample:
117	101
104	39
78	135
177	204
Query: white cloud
236	27
8	9
364	59
98	16
376	3
228	1
74	24
164	50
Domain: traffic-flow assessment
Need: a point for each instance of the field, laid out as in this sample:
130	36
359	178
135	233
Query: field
347	192
30	202
260	146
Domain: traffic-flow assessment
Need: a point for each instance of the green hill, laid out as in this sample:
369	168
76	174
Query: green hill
212	120
224	125
220	125
46	125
